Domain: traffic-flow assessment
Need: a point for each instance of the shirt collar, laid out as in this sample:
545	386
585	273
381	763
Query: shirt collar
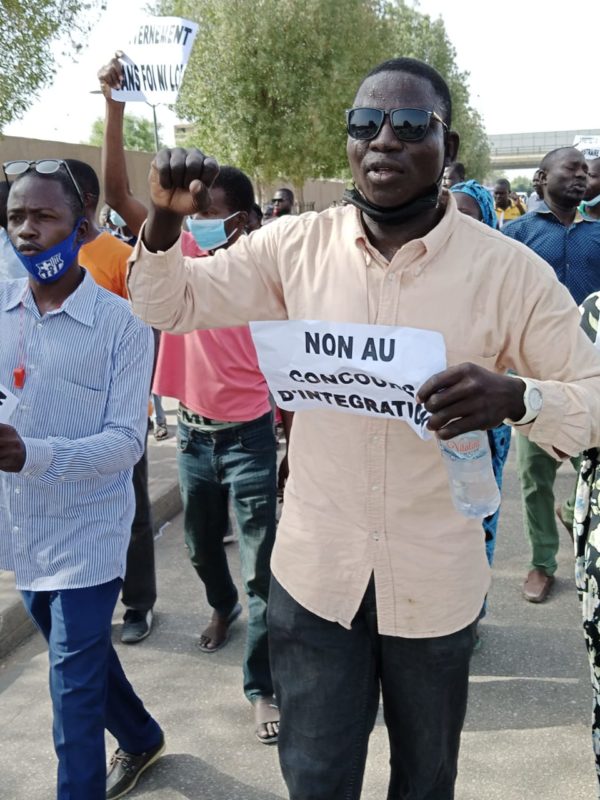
79	305
430	244
543	209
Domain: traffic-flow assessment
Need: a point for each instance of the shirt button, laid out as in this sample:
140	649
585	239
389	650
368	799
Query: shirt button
391	277
375	488
39	325
376	536
17	490
15	529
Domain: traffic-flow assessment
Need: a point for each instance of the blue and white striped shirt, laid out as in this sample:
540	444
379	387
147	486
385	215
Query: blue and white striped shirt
65	519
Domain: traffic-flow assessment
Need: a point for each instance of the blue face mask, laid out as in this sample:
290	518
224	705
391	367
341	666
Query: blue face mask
50	265
117	220
210	233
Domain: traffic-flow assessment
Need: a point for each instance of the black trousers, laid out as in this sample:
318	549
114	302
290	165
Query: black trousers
328	680
139	586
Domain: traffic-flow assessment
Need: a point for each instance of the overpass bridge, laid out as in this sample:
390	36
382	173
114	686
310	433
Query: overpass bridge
526	150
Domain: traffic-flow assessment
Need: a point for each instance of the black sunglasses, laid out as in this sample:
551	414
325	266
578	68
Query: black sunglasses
45	166
409	124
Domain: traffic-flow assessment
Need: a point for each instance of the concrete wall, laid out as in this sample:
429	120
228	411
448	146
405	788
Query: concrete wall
320	193
138	164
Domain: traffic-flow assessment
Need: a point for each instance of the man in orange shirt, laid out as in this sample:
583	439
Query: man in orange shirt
105	258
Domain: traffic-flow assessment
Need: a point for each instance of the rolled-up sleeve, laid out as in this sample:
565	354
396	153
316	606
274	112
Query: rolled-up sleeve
175	293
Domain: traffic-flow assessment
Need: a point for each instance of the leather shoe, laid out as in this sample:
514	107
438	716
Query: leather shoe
125	769
537	586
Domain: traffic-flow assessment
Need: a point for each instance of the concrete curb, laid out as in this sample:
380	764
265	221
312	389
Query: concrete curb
15	624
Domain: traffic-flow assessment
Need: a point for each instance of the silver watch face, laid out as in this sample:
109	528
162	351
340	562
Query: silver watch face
535	399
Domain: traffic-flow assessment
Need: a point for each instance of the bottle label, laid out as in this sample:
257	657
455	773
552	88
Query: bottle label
463	448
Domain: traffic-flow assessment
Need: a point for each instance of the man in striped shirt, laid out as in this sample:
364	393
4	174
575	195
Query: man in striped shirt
79	363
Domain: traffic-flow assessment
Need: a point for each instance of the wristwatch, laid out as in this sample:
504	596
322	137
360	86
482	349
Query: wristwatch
533	401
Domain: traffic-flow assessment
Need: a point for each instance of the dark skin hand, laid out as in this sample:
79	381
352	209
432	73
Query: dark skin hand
12	450
179	185
470	398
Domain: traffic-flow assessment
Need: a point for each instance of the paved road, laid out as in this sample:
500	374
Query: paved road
526	735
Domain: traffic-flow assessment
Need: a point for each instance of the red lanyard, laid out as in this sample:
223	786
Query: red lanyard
19	371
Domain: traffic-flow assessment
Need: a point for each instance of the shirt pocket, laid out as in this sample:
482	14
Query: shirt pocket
458	356
74	410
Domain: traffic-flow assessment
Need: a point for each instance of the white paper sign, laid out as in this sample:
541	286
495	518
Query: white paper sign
8	403
374	370
156	55
588	145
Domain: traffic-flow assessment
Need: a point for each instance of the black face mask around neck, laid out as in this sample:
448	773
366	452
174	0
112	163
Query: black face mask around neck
395	214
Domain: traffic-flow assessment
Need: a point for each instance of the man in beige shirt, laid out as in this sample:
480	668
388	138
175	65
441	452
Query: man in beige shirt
377	579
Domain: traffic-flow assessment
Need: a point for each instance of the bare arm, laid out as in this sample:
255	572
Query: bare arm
114	167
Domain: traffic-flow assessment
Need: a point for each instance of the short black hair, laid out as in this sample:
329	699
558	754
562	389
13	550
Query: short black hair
237	187
288	193
86	178
551	157
412	66
69	189
503	182
459	169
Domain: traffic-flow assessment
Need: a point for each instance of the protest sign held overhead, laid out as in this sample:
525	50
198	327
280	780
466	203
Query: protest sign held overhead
588	145
154	60
373	370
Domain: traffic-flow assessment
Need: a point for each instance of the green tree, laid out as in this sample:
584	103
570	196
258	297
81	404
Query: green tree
268	80
521	184
27	35
411	33
138	133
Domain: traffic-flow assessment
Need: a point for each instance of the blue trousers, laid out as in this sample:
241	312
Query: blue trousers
238	463
88	687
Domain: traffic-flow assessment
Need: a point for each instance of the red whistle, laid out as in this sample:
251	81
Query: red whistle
19	377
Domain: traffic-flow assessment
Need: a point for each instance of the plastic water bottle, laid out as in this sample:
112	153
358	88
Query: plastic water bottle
473	487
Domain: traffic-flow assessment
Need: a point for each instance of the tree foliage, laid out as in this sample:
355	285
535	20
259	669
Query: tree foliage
27	35
138	133
268	80
521	184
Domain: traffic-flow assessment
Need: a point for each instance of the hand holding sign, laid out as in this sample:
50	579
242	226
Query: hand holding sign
12	450
475	398
111	77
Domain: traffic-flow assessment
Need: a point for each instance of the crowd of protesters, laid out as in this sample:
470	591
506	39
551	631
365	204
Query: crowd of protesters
99	314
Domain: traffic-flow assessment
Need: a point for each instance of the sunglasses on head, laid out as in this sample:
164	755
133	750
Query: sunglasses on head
45	166
409	124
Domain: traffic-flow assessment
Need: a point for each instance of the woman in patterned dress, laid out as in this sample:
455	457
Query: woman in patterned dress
586	535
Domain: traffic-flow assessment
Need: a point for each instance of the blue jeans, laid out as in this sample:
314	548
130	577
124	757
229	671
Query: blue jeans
88	687
159	414
327	681
241	463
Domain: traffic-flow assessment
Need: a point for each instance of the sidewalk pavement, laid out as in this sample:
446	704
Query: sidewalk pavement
15	625
526	737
